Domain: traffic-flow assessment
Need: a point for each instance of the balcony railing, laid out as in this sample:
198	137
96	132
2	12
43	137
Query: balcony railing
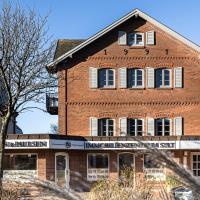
52	103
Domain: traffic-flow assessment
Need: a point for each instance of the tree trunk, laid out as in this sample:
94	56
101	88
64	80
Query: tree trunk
3	133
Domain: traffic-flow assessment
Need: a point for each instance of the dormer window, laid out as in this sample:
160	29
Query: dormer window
136	39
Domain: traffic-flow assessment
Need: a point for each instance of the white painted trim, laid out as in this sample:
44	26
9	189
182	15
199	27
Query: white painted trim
26	154
67	177
135	12
99	154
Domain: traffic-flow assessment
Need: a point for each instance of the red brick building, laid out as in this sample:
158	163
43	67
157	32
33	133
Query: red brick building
135	79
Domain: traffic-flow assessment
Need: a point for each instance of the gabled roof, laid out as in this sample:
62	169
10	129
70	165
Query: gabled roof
65	45
135	12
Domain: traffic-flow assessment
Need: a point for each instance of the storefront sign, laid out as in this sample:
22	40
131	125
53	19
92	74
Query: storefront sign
95	145
29	144
130	145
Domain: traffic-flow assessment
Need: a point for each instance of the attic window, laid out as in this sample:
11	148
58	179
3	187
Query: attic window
136	39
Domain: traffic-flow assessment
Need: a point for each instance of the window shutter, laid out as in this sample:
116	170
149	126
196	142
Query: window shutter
150	37
122	77
150	127
178	77
93	77
123	126
122	38
178	126
93	126
150	77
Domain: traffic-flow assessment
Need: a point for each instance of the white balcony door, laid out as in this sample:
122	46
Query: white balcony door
62	170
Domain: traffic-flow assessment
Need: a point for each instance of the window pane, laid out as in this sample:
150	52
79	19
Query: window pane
159	127
148	163
166	77
194	157
21	162
132	128
158	77
97	161
139	39
131	39
106	127
102	78
110	77
139	77
166	127
131	78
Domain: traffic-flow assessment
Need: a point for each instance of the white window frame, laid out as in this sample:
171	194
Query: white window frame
192	154
163	78
163	126
107	78
135	37
105	171
154	173
136	125
136	77
107	127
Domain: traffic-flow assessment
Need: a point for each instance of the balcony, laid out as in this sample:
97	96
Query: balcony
52	103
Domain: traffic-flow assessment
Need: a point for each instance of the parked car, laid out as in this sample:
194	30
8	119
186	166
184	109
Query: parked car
182	193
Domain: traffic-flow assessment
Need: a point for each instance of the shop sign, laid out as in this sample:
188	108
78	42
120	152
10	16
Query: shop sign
29	144
130	145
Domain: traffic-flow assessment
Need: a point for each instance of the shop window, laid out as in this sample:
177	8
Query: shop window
98	167
152	170
196	164
21	162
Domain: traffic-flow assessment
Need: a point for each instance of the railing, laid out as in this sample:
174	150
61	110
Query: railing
52	103
158	174
94	174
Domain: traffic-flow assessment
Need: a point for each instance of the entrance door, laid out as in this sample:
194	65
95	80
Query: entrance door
126	164
62	169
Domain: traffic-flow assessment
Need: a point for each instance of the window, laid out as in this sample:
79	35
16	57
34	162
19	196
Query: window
136	39
21	162
163	78
152	170
106	78
135	78
135	127
98	167
196	164
106	127
163	127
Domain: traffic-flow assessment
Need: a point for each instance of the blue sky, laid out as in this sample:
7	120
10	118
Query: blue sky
83	18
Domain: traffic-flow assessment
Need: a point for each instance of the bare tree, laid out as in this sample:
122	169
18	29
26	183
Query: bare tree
24	53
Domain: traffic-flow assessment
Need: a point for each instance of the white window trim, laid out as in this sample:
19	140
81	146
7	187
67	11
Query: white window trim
97	168
107	78
161	170
136	45
191	161
37	167
107	127
128	127
163	127
136	86
163	80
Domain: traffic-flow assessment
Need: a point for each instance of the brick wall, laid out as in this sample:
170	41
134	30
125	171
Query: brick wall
77	102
